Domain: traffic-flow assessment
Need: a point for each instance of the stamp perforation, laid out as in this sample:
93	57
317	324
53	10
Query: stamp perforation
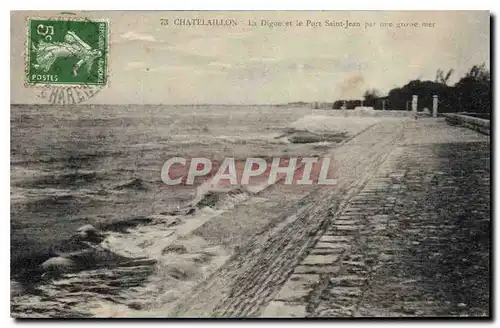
104	55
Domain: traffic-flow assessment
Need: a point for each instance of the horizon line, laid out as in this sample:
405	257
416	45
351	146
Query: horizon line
186	104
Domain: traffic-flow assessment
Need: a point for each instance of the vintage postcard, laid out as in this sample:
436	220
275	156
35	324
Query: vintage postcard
250	164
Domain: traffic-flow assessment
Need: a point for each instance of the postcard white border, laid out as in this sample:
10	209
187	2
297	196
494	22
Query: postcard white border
493	6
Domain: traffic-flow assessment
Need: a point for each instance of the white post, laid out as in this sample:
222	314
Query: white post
434	106
414	103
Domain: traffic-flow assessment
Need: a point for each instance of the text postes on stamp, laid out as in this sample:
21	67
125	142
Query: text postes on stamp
67	52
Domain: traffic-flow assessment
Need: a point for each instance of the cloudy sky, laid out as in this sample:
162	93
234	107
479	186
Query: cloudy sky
151	63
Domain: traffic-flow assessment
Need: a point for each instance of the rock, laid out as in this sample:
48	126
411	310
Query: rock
384	257
407	310
86	228
58	265
89	233
16	288
178	249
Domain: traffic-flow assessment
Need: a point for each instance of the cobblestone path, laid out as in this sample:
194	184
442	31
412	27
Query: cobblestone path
414	242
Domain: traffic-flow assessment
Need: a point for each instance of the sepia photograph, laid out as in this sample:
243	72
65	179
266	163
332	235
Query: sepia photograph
250	164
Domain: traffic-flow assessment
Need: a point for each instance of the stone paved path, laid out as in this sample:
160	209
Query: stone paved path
404	233
414	242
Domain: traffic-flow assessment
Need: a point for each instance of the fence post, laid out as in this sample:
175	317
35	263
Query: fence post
434	106
414	103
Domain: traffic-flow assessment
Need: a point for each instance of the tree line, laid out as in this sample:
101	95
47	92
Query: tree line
472	93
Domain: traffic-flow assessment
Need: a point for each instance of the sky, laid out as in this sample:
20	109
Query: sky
154	64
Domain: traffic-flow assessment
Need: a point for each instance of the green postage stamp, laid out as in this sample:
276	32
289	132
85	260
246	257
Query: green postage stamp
67	51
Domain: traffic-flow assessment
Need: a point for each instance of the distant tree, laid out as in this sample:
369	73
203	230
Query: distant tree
443	78
371	94
398	98
473	91
337	104
479	73
370	97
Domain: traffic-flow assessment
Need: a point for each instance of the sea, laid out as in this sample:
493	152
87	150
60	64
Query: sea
101	164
